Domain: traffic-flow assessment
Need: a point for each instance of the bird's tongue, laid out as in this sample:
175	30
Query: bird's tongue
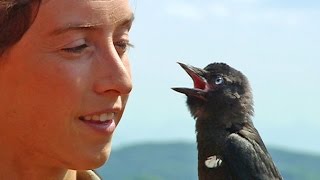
194	73
198	82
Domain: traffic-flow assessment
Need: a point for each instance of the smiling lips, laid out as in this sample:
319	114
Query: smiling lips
98	117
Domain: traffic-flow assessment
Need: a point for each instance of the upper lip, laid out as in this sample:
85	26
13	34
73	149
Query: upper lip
111	110
199	81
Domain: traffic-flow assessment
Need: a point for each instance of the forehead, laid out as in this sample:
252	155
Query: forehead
222	69
91	12
219	68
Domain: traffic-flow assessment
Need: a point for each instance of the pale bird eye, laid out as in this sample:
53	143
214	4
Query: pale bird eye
219	80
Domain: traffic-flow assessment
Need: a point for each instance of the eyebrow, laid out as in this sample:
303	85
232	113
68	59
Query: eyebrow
123	23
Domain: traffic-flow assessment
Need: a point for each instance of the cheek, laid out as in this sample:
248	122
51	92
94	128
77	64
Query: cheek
56	99
49	94
124	100
37	103
61	89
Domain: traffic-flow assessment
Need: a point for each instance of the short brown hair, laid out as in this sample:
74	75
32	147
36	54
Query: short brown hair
16	16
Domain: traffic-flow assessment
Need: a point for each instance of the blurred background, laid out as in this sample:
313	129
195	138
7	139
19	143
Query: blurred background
276	44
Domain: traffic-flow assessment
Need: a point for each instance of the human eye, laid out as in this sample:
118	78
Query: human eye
122	46
75	49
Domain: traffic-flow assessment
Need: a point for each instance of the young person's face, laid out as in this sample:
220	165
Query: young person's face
65	84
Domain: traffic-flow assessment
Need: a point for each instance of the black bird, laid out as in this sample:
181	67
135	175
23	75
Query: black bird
229	146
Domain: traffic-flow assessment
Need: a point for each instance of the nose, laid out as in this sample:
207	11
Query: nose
112	73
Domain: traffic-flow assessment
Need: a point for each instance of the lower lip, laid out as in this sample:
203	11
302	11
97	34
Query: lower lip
105	128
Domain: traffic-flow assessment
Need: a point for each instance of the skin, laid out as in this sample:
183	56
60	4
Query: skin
70	63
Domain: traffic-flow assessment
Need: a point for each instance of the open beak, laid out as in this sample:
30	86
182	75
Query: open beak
199	82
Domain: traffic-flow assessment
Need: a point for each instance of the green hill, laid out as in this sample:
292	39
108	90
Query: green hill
178	161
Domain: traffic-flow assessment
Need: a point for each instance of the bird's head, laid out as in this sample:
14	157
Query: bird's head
218	90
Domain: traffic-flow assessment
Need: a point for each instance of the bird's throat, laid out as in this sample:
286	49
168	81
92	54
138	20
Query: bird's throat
211	136
209	145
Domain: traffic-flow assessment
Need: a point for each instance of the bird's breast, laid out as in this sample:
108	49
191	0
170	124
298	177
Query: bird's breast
211	146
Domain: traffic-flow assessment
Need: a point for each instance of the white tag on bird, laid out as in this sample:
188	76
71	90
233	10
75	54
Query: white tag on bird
213	162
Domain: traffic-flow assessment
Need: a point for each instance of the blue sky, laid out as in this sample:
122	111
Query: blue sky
275	43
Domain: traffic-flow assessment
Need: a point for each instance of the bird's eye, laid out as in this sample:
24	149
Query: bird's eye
219	80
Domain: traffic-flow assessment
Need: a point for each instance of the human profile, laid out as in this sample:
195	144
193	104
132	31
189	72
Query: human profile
64	83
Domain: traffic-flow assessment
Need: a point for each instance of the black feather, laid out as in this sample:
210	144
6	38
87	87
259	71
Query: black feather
222	104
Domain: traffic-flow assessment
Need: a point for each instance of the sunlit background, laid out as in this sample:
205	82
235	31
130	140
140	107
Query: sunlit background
276	44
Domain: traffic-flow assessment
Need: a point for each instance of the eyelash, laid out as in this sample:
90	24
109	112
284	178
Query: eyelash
76	49
123	46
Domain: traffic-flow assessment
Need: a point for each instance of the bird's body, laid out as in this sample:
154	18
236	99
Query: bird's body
229	146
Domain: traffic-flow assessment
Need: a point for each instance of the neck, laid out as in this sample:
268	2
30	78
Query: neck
212	132
17	163
210	136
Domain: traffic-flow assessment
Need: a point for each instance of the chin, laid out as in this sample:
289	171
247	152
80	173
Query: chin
91	160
